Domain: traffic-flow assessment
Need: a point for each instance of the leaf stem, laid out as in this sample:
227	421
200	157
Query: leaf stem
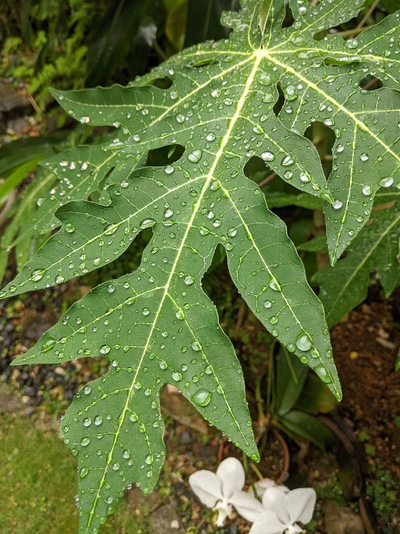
367	14
267	179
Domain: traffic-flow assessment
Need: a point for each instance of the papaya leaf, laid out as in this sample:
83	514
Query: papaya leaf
345	285
215	105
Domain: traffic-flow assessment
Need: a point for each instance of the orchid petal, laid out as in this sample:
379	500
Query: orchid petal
207	486
300	504
274	499
267	523
247	505
232	476
261	485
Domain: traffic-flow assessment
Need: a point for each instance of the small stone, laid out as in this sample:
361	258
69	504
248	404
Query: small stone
341	520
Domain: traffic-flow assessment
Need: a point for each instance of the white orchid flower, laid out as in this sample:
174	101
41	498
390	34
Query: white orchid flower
222	490
283	509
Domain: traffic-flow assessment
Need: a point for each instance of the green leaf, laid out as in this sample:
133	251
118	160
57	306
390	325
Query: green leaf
308	427
114	37
214	106
345	285
203	20
290	379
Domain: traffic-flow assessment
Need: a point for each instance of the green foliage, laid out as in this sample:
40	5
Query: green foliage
210	109
296	399
376	248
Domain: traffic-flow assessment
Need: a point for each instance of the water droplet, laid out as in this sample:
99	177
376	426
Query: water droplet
98	420
274	284
273	320
105	349
196	346
210	137
232	232
48	344
323	374
83	472
169	169
146	312
337	205
177	377
267	304
304	177
87	390
366	190
364	157
37	274
147	223
87	421
202	397
195	156
180	315
287	160
386	182
351	43
268	156
168	213
303	343
188	280
149	459
133	418
111	229
265	79
69	227
84	120
85	442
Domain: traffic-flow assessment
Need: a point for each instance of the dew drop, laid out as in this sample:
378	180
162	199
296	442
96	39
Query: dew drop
196	346
147	223
98	420
87	421
146	312
83	472
303	343
188	280
37	275
337	205
268	156
386	182
195	156
48	344
69	227
168	213
364	157
202	397
267	304
366	190
323	374
287	160
169	169
177	377
84	120
85	442
274	284
105	349
232	232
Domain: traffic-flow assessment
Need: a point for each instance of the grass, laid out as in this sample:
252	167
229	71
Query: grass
38	484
